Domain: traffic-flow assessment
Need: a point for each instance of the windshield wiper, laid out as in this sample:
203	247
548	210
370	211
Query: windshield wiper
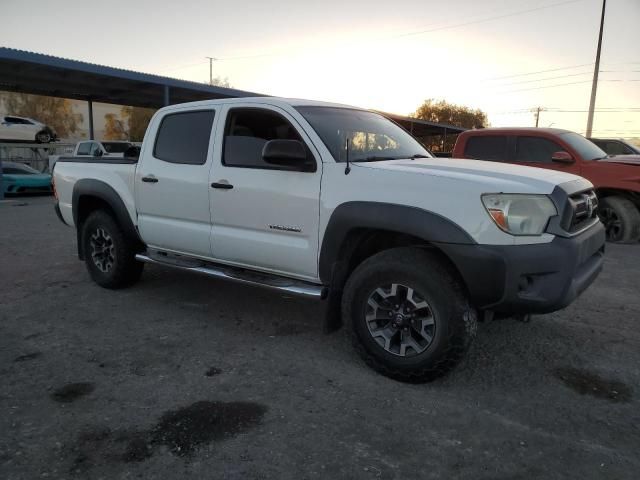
376	158
380	158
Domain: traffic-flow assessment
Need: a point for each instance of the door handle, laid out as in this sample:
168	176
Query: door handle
224	186
150	179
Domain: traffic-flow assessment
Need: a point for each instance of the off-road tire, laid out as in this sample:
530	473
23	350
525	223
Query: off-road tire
621	219
428	273
124	270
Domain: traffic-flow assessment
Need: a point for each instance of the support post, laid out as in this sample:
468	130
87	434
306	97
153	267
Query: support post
444	142
91	133
1	189
596	70
167	97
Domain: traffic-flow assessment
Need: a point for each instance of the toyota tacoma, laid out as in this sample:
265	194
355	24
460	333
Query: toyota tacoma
340	204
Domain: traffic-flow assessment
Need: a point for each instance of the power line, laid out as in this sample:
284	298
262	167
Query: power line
544	79
568	83
435	29
527	112
560	76
495	17
559	69
180	67
539	71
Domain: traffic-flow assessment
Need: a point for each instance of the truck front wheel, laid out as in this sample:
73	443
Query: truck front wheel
621	219
108	254
410	318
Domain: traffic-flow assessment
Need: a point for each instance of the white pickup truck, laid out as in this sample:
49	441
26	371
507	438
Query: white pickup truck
337	203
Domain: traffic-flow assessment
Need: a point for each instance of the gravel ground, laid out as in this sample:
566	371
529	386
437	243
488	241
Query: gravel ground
188	377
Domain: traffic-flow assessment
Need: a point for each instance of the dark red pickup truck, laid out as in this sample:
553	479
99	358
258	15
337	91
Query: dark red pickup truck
616	178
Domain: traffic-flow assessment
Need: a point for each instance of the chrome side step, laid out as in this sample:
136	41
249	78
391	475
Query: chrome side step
286	285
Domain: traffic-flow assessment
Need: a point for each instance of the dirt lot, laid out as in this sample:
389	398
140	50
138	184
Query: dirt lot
187	377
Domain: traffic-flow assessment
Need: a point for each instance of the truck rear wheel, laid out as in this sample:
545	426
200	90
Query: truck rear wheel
108	254
621	219
409	316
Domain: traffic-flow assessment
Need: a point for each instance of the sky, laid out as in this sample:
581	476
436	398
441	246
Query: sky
505	57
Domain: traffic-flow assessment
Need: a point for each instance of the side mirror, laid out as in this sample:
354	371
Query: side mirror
287	153
97	152
562	157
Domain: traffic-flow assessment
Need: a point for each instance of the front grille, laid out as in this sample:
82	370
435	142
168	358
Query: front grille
582	211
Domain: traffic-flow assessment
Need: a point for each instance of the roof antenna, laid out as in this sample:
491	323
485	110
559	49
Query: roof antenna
348	168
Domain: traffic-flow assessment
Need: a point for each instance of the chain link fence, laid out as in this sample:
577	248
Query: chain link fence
36	155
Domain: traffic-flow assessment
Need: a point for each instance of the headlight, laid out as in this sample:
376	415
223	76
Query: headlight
520	214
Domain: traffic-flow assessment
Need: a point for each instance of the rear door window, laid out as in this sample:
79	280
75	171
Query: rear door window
184	137
535	150
489	147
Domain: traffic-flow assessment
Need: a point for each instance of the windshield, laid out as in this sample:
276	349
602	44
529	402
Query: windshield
116	147
586	149
371	136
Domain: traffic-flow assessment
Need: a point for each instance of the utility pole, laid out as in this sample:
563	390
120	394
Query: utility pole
596	70
536	112
211	60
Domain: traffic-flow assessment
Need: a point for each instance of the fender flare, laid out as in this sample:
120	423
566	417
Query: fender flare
89	187
352	216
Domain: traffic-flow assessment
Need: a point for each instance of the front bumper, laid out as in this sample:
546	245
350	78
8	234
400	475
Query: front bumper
538	278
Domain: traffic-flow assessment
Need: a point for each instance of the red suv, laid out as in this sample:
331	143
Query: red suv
616	178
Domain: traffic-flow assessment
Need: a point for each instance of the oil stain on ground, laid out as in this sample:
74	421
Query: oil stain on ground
27	356
213	371
588	383
181	431
72	391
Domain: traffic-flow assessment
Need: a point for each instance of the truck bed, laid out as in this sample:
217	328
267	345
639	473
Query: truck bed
117	173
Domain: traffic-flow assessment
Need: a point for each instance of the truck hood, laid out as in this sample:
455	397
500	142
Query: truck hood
626	159
498	177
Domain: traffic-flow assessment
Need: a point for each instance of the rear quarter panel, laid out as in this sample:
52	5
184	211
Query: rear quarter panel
118	176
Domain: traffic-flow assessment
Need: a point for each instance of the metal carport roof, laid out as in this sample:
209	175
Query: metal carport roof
40	74
36	73
422	128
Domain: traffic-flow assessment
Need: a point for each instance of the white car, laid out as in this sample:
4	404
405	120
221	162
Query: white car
337	203
25	129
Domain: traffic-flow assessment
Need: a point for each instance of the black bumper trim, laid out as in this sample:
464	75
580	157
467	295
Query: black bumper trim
538	278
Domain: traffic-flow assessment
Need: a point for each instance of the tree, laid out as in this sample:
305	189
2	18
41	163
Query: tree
220	82
56	112
138	119
114	128
131	125
443	112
